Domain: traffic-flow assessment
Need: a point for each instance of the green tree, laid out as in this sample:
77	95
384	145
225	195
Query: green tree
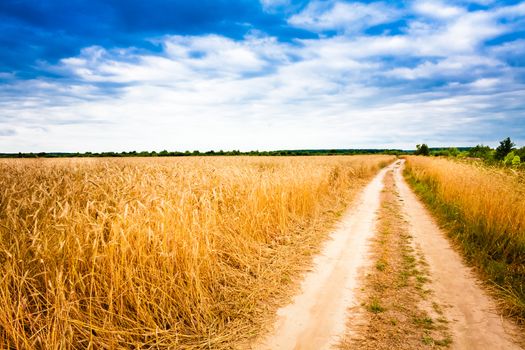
521	153
422	150
480	151
504	148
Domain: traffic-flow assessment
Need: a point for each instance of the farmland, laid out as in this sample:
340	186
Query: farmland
181	253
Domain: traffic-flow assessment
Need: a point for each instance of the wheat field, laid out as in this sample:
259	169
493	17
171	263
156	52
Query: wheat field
182	253
484	207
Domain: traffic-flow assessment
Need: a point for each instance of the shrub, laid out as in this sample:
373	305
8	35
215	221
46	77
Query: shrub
480	151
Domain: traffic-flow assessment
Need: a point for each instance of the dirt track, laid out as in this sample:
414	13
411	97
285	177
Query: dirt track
317	316
474	321
316	319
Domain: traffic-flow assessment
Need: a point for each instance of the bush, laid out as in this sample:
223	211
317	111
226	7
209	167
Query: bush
521	153
512	159
480	151
453	152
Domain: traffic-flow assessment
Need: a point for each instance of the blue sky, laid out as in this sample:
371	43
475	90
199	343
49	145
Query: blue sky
272	74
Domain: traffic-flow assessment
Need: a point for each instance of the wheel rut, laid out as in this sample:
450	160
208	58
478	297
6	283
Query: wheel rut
330	311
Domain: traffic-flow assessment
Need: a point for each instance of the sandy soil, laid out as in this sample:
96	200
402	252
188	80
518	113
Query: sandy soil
316	317
397	309
474	322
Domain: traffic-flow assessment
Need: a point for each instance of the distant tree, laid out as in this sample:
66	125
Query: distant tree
422	150
453	152
521	153
480	151
439	153
504	148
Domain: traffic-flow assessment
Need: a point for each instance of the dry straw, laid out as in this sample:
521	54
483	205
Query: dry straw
164	253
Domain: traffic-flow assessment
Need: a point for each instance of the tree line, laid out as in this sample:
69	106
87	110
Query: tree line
505	154
166	153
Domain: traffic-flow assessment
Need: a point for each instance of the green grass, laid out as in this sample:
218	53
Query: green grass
375	307
425	322
495	267
428	340
381	265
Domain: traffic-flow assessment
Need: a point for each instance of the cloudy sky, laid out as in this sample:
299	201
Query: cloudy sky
122	75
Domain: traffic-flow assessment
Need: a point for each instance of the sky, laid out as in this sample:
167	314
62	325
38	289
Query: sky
92	75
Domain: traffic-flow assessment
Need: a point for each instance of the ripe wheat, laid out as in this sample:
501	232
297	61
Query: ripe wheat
165	253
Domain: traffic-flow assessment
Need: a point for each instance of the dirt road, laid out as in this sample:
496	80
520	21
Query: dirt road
316	319
317	316
474	323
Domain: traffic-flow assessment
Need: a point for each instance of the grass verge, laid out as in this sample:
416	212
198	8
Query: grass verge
483	212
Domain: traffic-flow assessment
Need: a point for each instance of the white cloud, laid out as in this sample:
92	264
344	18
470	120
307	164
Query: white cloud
460	35
486	83
270	5
185	58
437	9
451	67
478	2
515	48
204	92
513	11
342	16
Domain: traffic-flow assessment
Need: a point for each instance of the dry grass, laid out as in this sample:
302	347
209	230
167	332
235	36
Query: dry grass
485	211
159	253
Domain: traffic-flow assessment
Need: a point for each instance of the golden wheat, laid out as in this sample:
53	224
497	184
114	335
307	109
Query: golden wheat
486	210
166	253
